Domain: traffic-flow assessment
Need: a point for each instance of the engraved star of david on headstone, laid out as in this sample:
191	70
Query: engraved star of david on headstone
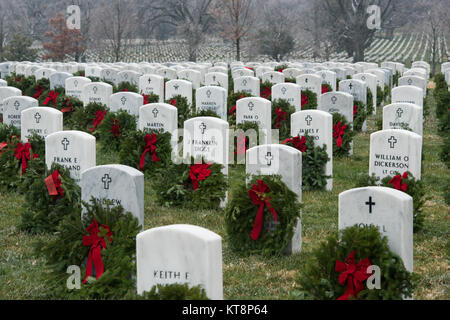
37	117
65	142
269	158
392	141
106	181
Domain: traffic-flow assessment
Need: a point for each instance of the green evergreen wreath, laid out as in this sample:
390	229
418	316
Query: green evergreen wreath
290	80
59	90
245	126
380	96
125	86
68	105
40	85
133	145
204	113
42	212
20	82
83	118
115	128
174	188
266	90
319	280
174	291
150	98
314	160
309	100
10	166
240	214
184	109
66	249
347	137
284	123
359	115
232	102
415	188
281	67
370	107
326	88
7	132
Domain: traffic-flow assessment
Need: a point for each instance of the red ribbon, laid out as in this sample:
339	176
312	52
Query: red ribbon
355	111
150	141
53	183
68	106
2	145
115	129
22	153
38	93
266	92
297	142
281	116
397	182
199	172
233	109
97	243
304	99
52	96
258	195
173	102
99	117
352	273
324	89
146	97
338	132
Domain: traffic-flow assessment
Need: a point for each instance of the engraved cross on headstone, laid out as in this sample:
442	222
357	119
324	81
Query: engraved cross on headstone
155	112
106	181
17	105
37	116
350	86
176	87
269	158
203	127
399	112
283	90
65	142
370	204
308	120
392	141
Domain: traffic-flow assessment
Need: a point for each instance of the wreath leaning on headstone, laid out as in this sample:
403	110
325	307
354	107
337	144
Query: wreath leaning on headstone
68	105
247	136
337	269
196	185
314	160
404	182
115	128
359	115
308	100
266	90
89	118
184	109
146	151
342	136
102	243
50	195
261	215
282	111
232	102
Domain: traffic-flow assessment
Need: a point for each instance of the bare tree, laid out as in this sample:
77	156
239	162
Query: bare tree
235	19
118	24
192	18
347	22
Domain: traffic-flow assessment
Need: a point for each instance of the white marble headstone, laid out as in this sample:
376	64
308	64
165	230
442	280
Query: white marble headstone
179	87
337	102
40	120
248	85
58	79
127	101
408	94
217	79
311	82
180	254
6	92
13	107
289	92
256	110
389	209
122	185
403	115
191	75
161	117
152	84
97	92
74	86
212	98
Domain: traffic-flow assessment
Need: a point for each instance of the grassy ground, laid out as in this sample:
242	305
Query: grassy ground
256	277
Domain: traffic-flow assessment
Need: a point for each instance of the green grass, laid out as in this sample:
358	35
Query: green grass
257	277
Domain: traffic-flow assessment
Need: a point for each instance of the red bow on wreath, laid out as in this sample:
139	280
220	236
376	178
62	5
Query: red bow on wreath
338	132
39	91
352	273
304	99
22	153
2	145
281	116
68	106
146	97
52	96
258	194
173	102
150	141
97	243
54	183
115	129
324	89
266	92
199	172
99	117
355	111
233	109
297	142
397	182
